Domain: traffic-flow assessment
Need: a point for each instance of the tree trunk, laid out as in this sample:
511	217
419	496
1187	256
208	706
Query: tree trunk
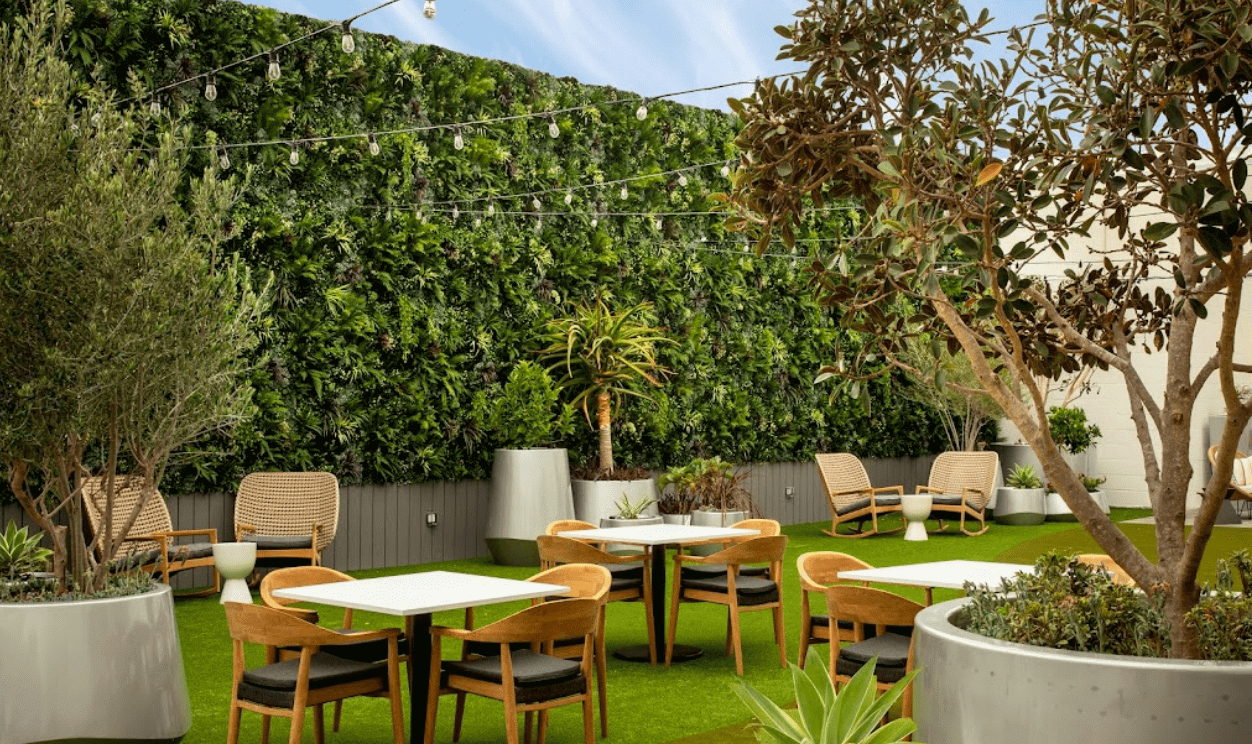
606	432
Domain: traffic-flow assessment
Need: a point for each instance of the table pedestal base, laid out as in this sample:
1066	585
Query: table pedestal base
915	532
639	652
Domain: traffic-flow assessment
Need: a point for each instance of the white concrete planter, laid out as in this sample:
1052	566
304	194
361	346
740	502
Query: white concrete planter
676	518
530	489
1059	511
1021	506
595	500
977	690
100	669
616	521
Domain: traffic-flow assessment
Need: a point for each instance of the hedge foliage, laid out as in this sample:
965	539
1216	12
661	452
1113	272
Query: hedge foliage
387	326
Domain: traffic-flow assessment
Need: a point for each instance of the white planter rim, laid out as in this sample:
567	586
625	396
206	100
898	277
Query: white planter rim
158	589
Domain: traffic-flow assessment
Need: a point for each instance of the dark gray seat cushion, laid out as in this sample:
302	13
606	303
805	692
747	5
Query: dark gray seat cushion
190	551
946	499
751	590
824	621
704	571
280	542
174	554
371	651
275	684
887	674
891	649
625	570
862	503
628	583
536	677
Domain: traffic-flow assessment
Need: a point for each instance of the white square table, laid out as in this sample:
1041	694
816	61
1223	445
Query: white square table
415	596
657	536
942	574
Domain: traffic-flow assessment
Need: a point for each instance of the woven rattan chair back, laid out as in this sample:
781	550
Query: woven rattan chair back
290	504
1240	473
843	475
955	471
127	491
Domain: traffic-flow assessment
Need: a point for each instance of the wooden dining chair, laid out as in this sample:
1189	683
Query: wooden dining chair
631	585
289	688
1099	560
358	650
765	528
738	593
864	608
526	680
818	572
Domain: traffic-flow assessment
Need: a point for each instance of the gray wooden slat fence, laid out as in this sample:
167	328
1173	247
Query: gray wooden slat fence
385	526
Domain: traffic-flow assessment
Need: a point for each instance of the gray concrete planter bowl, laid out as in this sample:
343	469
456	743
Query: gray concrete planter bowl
1020	506
977	690
596	500
530	489
97	670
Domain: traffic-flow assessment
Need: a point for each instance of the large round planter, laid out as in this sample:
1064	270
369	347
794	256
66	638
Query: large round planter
676	518
95	670
596	500
976	690
530	489
1020	506
1059	511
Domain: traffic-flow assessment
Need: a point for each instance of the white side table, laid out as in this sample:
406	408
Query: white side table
916	508
235	560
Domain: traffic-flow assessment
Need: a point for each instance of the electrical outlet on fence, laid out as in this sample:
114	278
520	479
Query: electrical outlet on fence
790	492
432	519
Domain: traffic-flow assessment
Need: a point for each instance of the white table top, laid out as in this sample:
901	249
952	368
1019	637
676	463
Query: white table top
940	574
658	534
420	593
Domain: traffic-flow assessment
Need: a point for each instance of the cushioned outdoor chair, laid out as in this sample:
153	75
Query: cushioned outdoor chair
818	572
1240	475
873	608
150	542
738	593
525	680
766	528
851	498
288	688
286	578
1105	562
961	484
290	516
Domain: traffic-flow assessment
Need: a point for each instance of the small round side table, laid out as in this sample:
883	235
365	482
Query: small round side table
916	508
235	560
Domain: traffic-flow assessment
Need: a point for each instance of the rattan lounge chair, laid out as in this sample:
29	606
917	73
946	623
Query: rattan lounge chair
1099	560
290	516
851	497
961	484
1240	476
150	542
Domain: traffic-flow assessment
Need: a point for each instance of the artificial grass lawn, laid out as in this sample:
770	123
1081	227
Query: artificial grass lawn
691	702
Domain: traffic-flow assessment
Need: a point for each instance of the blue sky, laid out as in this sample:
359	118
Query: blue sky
646	46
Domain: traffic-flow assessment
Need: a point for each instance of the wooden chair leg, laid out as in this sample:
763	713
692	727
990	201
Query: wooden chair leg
297	725
265	729
529	725
673	616
460	715
589	725
432	694
735	638
647	610
729	632
779	636
806	628
543	726
319	725
510	720
602	678
232	725
334	726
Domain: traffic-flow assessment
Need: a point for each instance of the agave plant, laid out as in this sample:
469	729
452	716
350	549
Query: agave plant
850	716
20	552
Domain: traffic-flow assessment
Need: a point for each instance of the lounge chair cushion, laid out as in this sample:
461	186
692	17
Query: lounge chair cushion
699	571
190	551
275	684
946	499
529	669
752	590
864	503
625	570
375	650
887	674
1241	475
280	542
824	622
891	649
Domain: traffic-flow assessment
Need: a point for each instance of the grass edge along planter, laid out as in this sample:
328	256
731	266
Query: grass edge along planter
597	500
93	670
978	690
530	489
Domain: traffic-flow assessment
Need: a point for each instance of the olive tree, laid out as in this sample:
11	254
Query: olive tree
121	338
1127	117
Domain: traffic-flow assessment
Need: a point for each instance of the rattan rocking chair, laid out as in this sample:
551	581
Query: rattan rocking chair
851	497
290	516
962	484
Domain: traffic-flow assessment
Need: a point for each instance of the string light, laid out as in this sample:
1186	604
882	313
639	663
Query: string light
478	222
659	223
429	9
625	192
682	179
154	108
374	148
553	130
491	208
726	171
457	140
642	112
274	72
348	43
295	156
537	204
210	88
456	212
569	198
223	158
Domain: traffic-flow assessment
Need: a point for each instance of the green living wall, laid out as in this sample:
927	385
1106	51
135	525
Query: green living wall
387	324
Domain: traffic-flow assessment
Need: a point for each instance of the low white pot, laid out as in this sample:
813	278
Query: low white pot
1021	506
1059	511
596	500
99	669
616	521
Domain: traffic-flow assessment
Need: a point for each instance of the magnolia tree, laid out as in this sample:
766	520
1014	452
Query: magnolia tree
1120	116
121	338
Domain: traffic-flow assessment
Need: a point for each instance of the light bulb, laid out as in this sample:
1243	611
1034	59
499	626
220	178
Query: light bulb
349	43
223	158
625	192
95	119
538	225
536	204
642	112
374	148
456	212
658	223
569	198
154	108
491	208
553	129
429	9
682	179
594	221
457	140
274	71
295	156
726	170
478	222
210	89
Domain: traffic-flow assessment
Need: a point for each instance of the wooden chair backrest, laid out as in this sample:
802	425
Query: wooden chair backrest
286	504
953	472
767	527
568	525
285	578
556	550
550	621
267	626
585	581
843	472
1100	560
752	550
867	606
127	491
820	569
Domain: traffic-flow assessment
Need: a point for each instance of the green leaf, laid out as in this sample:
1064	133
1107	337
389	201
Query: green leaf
1160	230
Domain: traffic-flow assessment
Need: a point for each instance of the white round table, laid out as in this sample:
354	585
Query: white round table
234	561
916	508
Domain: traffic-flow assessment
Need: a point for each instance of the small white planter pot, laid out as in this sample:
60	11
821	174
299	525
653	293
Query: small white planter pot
1021	506
1059	511
596	500
916	509
616	521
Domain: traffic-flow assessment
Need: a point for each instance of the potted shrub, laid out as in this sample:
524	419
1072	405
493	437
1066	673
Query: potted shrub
718	494
1021	500
1097	495
602	357
530	483
678	498
122	338
632	514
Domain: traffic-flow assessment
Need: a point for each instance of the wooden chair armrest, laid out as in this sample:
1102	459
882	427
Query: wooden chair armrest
355	636
849	492
928	489
888	489
440	630
685	558
210	533
242	527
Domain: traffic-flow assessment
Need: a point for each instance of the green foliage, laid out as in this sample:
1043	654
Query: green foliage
627	510
704	483
20	552
1092	484
528	413
1223	616
824	716
1070	429
1023	476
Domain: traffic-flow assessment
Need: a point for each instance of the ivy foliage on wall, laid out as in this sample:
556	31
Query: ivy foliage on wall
387	327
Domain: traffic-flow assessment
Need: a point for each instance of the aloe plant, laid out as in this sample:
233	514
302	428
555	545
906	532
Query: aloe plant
627	510
20	552
1023	476
823	716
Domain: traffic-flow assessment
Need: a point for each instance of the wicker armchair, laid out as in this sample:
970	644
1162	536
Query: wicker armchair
290	516
150	542
1240	476
851	497
962	483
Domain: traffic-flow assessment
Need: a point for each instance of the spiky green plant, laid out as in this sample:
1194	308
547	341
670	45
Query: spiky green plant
826	717
1023	476
20	552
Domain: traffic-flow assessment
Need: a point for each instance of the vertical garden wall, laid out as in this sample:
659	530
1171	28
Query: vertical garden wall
396	319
